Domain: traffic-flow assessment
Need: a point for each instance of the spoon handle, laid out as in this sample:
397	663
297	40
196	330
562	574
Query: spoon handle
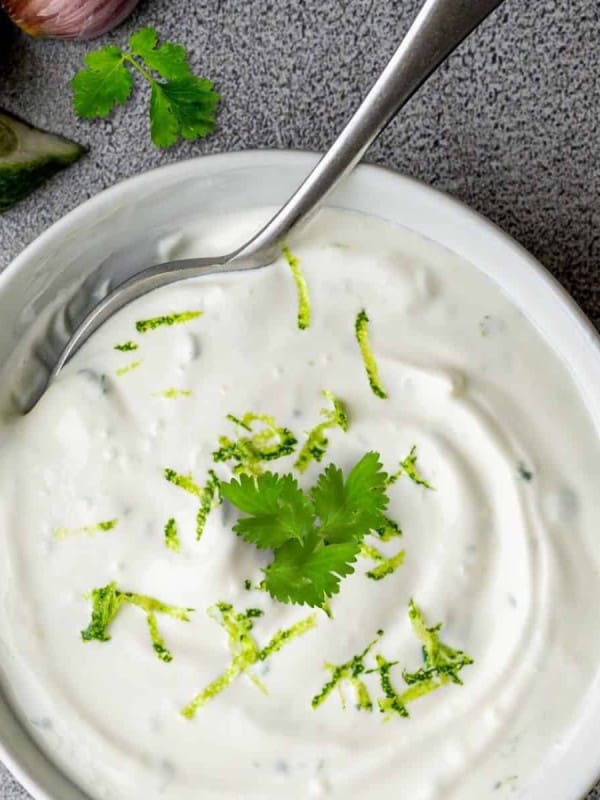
439	28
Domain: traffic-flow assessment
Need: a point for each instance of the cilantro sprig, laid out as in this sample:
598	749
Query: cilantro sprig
315	536
181	103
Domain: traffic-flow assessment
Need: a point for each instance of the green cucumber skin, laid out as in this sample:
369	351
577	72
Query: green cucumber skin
34	157
16	183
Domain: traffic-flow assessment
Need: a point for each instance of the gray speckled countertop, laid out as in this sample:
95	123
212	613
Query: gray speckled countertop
509	125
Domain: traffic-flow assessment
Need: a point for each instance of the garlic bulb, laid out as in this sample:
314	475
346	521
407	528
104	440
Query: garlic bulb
68	19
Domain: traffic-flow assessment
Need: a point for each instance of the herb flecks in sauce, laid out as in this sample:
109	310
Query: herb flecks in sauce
108	601
172	535
315	536
316	443
244	650
409	468
361	329
145	325
524	473
351	673
270	442
128	368
86	530
304	312
126	347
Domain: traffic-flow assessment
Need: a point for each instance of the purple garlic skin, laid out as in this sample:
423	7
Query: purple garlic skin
68	19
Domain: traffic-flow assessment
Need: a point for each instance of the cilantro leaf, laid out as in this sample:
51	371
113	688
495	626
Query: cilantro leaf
105	83
181	104
182	107
350	509
280	510
301	575
316	536
169	60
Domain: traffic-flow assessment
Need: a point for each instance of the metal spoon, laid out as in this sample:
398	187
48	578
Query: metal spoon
439	28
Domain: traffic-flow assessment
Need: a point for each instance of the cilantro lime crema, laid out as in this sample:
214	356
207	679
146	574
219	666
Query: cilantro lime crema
325	530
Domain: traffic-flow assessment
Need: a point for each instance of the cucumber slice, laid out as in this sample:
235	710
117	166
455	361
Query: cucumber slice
28	157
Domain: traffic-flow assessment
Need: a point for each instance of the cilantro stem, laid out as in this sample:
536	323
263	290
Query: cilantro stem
140	69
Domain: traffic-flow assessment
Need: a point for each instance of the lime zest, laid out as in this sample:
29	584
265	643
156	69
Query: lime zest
408	467
126	347
86	530
304	312
316	443
173	393
271	442
172	535
209	495
361	329
167	320
385	565
128	368
106	604
349	672
244	650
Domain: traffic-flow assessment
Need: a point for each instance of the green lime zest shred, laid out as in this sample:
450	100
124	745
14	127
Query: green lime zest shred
126	347
172	535
391	530
209	495
127	368
408	467
391	703
106	604
270	442
167	320
442	663
361	329
245	651
304	312
316	443
173	394
86	530
384	565
351	673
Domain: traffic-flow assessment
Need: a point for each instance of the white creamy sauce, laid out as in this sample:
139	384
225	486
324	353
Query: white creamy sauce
504	552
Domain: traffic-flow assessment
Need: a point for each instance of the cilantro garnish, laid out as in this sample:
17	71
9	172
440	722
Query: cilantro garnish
172	535
209	495
301	287
86	530
316	443
128	368
244	650
248	452
126	347
315	536
108	601
181	104
350	672
361	328
179	318
409	468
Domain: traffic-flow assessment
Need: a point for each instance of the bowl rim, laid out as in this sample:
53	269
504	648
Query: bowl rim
577	762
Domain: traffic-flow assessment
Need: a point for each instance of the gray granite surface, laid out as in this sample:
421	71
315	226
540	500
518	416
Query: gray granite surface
509	125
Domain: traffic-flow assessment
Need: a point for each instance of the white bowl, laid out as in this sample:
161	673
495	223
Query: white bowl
117	232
